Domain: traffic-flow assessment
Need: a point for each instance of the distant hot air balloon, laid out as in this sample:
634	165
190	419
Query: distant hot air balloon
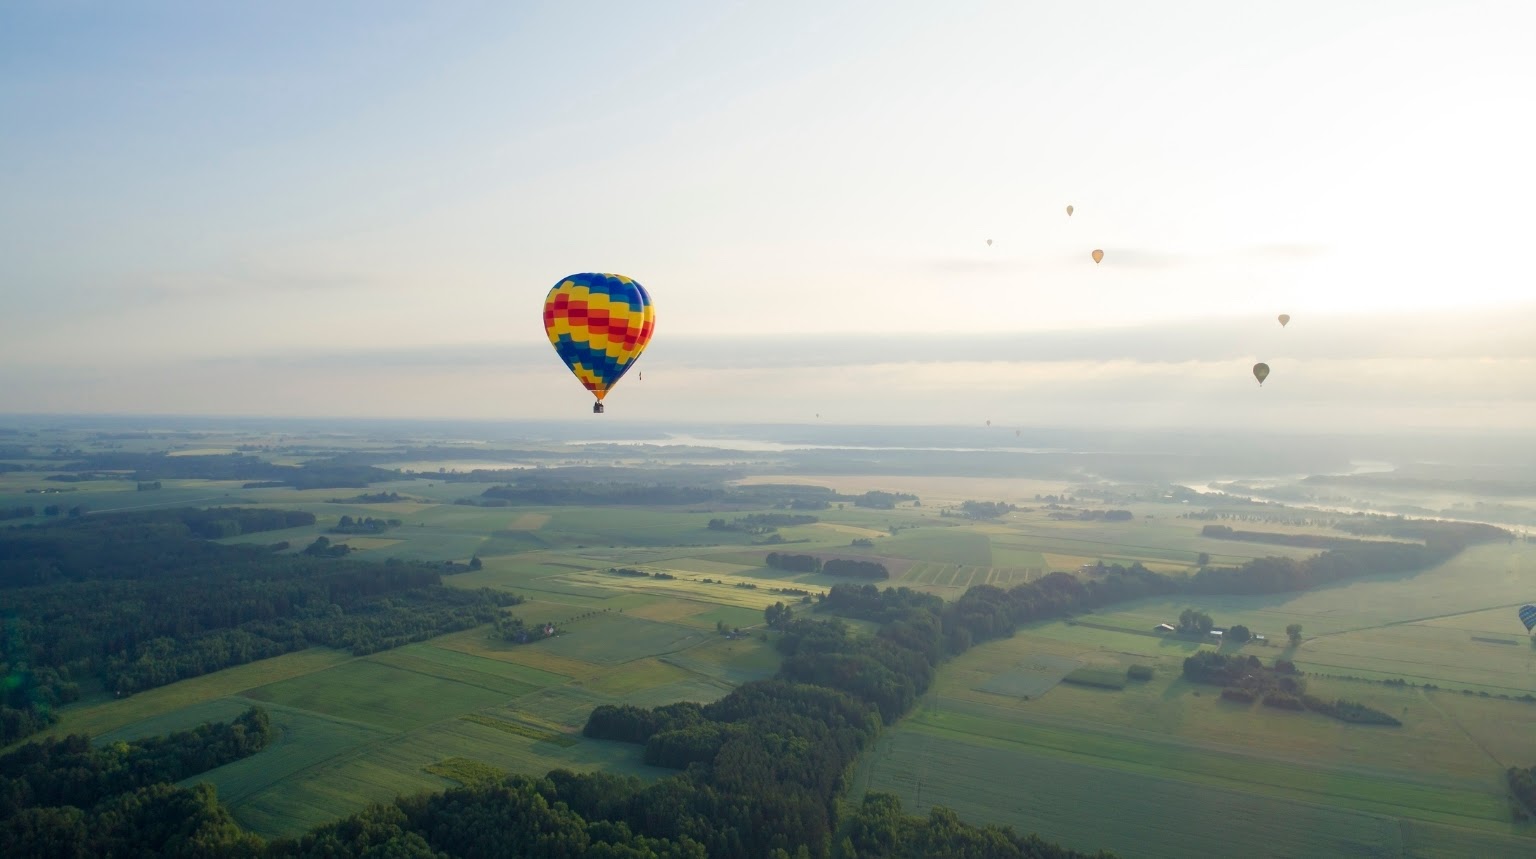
1098	256
599	324
1261	372
1285	319
1069	211
989	243
989	423
1528	617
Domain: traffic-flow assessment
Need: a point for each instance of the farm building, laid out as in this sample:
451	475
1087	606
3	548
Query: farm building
1163	627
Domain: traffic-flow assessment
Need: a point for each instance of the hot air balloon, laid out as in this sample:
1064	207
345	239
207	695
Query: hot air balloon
989	243
1069	211
1098	256
1261	372
1285	319
599	324
1528	617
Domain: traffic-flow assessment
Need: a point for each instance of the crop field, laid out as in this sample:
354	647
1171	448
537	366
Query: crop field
613	639
1093	806
1031	678
378	694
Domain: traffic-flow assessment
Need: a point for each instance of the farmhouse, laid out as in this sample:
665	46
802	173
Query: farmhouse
1163	627
1217	633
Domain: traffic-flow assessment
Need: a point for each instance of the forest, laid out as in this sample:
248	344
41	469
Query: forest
63	798
139	600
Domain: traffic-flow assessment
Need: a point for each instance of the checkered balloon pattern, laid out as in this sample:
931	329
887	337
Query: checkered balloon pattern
599	324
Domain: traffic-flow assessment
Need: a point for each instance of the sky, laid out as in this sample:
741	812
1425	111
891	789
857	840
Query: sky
356	209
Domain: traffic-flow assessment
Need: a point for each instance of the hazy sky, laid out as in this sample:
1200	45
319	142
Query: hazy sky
297	208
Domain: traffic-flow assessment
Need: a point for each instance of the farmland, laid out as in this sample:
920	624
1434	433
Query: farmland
1041	730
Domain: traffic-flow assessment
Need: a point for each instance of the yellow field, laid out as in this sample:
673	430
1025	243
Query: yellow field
362	544
670	609
527	522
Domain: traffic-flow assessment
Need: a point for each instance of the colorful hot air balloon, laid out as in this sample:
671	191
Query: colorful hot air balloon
1069	211
1528	617
1285	319
1098	256
599	324
1261	372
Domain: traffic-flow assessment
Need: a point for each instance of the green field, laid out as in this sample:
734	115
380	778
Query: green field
1156	768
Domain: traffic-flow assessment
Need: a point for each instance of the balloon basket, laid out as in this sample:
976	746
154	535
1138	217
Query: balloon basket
597	408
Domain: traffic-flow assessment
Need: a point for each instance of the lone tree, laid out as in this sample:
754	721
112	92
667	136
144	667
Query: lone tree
1239	634
1204	559
1294	631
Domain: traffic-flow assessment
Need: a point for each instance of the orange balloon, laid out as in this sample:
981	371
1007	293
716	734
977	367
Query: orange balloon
1098	256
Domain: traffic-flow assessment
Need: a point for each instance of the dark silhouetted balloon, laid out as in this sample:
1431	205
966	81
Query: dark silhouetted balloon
1261	372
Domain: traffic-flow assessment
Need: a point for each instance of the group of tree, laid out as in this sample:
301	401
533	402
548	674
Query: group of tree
882	500
139	600
1192	622
793	563
26	512
366	525
850	568
148	485
372	498
1522	783
778	615
1246	679
65	798
761	523
986	509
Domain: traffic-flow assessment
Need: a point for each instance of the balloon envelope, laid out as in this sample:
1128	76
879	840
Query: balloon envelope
1528	616
1285	319
599	324
1261	372
1069	211
989	243
1098	256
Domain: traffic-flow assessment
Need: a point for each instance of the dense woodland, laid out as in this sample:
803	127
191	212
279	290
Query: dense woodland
139	600
63	798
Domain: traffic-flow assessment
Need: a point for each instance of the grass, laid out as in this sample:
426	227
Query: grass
520	730
1144	814
465	771
375	693
612	639
100	717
